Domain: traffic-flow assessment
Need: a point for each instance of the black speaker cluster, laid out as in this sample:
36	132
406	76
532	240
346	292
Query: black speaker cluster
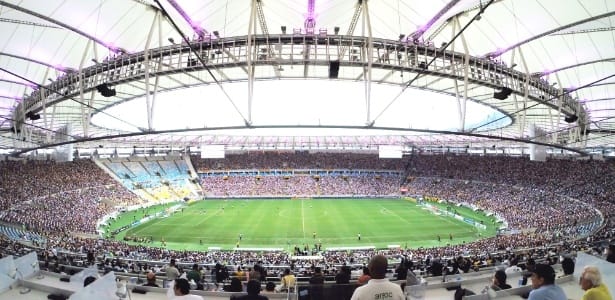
32	116
334	68
503	94
104	90
571	119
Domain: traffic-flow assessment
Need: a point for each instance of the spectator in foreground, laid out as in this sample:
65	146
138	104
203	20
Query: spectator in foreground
181	291
378	287
543	284
499	281
254	289
610	253
591	283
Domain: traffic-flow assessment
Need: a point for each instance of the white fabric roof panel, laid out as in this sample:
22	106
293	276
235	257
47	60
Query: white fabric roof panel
126	25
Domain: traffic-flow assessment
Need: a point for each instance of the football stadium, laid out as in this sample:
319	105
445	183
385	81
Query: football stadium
307	149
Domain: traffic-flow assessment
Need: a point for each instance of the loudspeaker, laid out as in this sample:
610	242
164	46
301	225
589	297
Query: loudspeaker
503	94
334	68
571	119
32	116
104	90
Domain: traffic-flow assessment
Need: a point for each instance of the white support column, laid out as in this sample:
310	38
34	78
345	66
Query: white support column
466	70
148	100
526	88
85	111
368	72
160	63
250	56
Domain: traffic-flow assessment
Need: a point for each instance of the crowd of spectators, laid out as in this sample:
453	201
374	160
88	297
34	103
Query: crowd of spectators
300	185
44	196
58	199
585	180
517	205
298	160
26	180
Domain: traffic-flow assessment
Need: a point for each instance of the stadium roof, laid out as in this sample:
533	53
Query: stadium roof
265	73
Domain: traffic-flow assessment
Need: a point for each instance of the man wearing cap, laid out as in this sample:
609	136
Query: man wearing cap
543	284
591	283
378	287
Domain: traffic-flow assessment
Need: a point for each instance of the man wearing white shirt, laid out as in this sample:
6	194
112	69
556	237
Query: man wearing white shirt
378	287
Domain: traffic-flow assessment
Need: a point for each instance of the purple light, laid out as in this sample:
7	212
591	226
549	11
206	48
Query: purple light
310	20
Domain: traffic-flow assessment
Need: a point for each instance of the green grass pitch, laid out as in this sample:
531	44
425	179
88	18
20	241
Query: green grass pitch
286	223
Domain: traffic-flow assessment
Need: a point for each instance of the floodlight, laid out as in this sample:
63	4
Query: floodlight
283	28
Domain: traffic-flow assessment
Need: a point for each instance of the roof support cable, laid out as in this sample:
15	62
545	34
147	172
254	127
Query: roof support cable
198	56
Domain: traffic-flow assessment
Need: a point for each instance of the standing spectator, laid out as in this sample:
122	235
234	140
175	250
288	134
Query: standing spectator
378	285
591	283
172	272
543	284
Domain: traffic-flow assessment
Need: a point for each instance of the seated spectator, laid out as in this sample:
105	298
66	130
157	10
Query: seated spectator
181	291
610	253
254	289
499	281
568	266
317	277
151	280
240	274
235	286
194	274
365	277
543	284
343	276
270	287
378	285
288	281
591	283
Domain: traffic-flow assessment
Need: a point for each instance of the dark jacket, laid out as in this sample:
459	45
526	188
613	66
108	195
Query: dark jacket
249	297
317	278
